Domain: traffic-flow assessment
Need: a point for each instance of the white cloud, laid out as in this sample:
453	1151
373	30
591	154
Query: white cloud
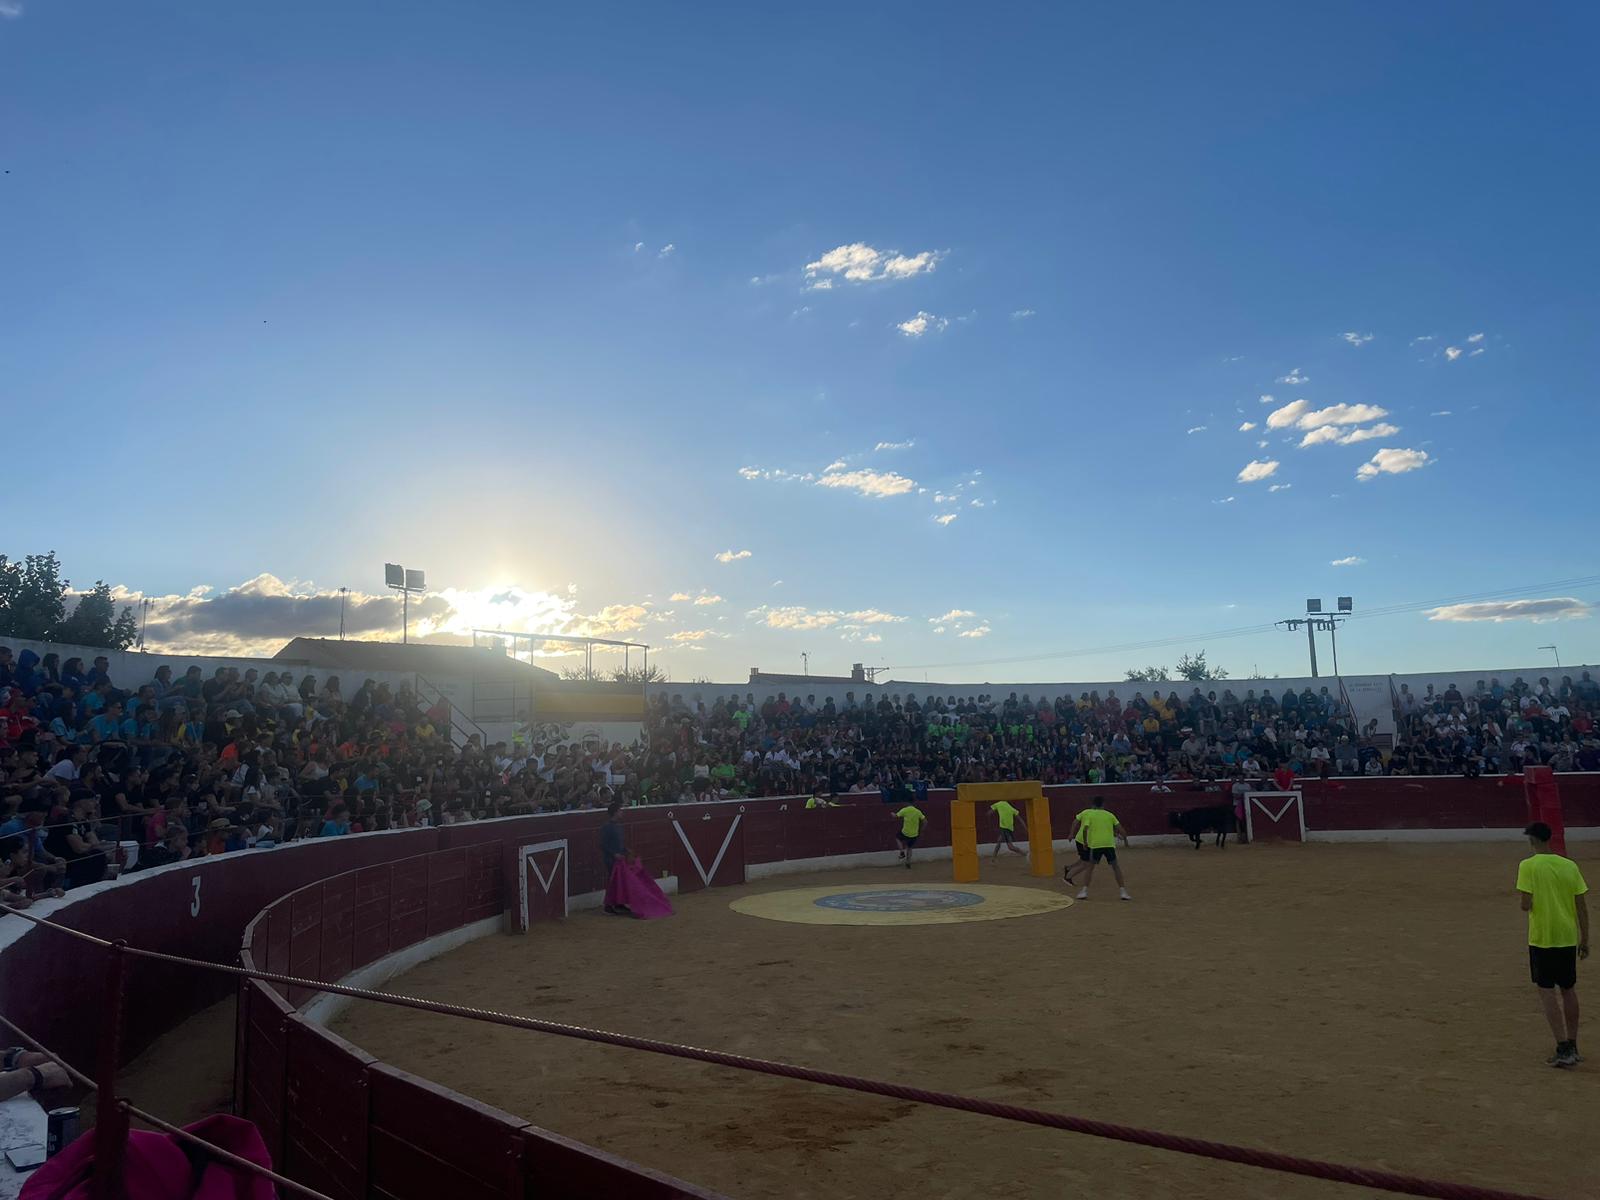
1352	560
1475	337
1294	376
1382	429
977	631
1283	418
955	614
939	629
822	285
978	503
1330	433
905	445
1225	500
638	246
945	518
1357	339
1443	412
728	556
10	9
876	484
1476	352
1262	444
1339	414
837	464
861	263
678	596
1257	470
1392	462
1452	353
1427	337
858	636
703	601
921	323
1195	429
666	251
691	635
1538	611
1022	314
1280	487
797	617
1266	398
1247	427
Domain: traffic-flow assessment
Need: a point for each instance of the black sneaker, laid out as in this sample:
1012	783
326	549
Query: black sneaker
1566	1055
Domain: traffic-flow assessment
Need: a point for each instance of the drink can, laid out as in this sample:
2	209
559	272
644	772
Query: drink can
60	1130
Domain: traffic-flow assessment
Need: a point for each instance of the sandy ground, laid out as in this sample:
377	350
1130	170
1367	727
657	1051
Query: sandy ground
1366	1004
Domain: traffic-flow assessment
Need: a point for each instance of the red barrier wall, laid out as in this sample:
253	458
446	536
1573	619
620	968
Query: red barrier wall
337	1119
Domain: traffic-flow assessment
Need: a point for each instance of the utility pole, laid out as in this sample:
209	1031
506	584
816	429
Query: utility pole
1554	651
805	662
1314	620
343	592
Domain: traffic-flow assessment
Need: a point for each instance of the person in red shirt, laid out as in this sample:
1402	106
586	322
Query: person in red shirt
1284	778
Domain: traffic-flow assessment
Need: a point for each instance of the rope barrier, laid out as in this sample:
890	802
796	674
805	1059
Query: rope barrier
1271	1160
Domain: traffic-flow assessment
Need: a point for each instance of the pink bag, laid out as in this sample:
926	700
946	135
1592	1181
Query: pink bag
632	888
157	1166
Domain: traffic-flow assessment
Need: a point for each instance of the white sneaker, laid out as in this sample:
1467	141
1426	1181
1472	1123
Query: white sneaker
1125	895
1083	893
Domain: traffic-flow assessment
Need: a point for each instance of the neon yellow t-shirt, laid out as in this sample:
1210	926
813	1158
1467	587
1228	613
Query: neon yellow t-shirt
911	819
1099	829
1007	812
1552	881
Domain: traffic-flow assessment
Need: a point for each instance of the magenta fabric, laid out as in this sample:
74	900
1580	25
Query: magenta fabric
157	1166
632	888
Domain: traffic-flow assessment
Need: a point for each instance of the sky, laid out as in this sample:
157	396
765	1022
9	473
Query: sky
977	344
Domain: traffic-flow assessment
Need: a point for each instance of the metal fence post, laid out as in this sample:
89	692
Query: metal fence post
111	1122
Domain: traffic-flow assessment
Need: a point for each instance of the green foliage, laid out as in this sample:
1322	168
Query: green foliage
1194	668
33	605
1147	675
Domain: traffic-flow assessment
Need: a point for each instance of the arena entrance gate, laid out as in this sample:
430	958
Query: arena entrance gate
1274	815
964	826
536	883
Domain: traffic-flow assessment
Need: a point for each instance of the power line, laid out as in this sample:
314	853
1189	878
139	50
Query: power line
1218	635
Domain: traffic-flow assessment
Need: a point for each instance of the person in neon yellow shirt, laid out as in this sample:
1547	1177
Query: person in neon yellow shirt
911	819
1099	831
1009	815
1552	890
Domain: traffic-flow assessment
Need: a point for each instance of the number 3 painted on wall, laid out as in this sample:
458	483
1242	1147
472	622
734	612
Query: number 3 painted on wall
194	905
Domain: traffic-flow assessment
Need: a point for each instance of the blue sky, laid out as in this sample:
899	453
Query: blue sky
561	305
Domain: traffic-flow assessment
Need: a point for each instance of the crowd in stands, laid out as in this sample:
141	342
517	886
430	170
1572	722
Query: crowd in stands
793	745
189	765
1495	729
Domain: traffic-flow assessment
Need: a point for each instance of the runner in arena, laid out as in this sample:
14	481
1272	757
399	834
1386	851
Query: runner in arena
1552	890
1009	815
1099	831
911	819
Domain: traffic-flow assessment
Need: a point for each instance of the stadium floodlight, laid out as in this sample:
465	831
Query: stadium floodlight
405	582
1313	606
1346	604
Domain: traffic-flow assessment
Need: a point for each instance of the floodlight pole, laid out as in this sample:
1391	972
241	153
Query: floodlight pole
1311	641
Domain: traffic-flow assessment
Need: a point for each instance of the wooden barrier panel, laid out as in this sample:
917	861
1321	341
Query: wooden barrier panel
370	922
338	926
426	1142
325	1130
447	890
559	1168
408	903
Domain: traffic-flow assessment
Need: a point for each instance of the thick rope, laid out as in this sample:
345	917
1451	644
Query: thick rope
1389	1181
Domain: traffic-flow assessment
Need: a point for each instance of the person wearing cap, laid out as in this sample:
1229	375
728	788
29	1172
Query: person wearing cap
1552	890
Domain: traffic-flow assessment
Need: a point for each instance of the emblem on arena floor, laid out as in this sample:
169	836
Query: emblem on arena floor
900	900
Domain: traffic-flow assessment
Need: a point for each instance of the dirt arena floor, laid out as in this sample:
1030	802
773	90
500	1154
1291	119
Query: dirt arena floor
1365	1004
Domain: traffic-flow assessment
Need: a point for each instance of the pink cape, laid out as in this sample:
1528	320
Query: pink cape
632	888
157	1168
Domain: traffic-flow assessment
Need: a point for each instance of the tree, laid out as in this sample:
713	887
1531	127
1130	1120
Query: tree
33	605
640	675
1194	668
32	597
1148	675
96	622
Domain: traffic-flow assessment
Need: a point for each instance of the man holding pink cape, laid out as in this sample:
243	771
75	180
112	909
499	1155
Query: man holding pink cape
630	892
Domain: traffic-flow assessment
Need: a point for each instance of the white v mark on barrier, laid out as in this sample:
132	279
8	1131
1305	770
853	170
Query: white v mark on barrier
527	863
705	875
1264	802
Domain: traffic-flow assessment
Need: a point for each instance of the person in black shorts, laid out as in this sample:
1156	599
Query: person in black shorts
1552	891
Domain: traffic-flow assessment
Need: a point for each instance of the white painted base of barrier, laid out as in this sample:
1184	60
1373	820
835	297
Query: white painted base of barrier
375	974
